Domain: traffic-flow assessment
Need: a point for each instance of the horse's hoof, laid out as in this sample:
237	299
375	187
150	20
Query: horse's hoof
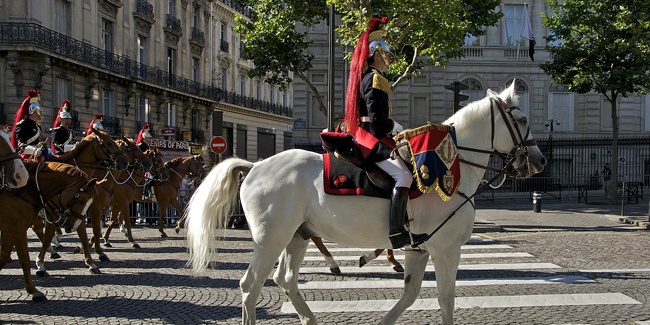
177	229
94	270
77	250
39	298
398	268
42	273
135	245
107	244
104	258
336	270
55	256
362	261
163	235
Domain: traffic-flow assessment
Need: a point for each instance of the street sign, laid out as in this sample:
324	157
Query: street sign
218	145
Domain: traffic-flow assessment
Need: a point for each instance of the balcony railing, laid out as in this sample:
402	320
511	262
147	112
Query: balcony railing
174	24
144	8
259	105
197	36
224	46
243	10
198	136
36	35
112	125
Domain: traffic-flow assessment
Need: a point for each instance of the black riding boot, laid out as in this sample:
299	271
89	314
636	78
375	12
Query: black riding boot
399	237
146	189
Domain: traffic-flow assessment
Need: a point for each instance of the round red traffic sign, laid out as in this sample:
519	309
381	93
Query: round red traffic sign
218	145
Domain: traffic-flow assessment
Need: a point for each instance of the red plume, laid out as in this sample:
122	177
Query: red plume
22	112
359	57
140	133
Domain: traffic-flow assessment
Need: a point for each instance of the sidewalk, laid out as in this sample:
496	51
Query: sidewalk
556	216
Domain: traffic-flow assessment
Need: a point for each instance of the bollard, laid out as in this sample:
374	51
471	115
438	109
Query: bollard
537	202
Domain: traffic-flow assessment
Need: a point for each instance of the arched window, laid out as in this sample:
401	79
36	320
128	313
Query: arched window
475	90
561	107
521	90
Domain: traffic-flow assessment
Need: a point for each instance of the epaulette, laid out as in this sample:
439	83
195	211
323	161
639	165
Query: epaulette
381	83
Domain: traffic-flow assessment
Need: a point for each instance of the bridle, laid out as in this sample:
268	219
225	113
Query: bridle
520	149
194	175
64	212
138	156
3	171
111	162
157	170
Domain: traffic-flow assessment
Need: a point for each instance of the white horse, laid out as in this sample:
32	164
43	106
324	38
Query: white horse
13	173
285	205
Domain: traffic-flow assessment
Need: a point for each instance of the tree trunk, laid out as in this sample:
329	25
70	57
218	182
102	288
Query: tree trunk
613	186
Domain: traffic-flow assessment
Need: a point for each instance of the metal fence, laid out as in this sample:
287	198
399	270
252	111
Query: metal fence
149	213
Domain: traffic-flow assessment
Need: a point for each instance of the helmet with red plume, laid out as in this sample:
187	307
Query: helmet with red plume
64	112
144	133
96	123
29	106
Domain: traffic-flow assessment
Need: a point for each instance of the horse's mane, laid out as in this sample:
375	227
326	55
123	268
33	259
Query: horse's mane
473	112
176	161
80	146
56	167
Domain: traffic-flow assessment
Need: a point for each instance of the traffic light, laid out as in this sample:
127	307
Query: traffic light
456	87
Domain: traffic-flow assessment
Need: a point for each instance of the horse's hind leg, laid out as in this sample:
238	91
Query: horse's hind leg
163	215
23	258
334	267
416	263
46	241
446	268
88	259
5	250
397	267
264	257
179	208
286	277
96	222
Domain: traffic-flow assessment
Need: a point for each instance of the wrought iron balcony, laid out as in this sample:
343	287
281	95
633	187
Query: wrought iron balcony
224	46
198	136
39	36
233	98
112	125
197	36
145	9
246	11
173	24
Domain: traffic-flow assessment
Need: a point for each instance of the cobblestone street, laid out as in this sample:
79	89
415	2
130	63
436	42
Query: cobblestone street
580	269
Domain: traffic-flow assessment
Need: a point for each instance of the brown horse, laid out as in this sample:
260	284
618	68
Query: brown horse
101	201
123	195
59	191
97	155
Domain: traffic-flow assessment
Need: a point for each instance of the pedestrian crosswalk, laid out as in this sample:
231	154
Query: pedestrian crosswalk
374	276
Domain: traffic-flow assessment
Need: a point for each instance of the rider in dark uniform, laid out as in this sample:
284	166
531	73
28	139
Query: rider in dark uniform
367	117
143	141
62	136
27	134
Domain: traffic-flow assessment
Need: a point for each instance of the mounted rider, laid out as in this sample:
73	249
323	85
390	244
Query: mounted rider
367	117
143	142
62	136
95	123
27	135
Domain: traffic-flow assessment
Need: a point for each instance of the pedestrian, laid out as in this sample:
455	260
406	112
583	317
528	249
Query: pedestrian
367	117
607	178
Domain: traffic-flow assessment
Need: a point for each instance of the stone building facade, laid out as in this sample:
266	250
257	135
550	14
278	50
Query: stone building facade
491	61
171	64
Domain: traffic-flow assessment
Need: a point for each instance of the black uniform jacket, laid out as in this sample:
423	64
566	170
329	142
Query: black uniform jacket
60	137
28	133
374	103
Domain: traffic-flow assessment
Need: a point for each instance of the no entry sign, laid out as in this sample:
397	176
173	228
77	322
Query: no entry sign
218	145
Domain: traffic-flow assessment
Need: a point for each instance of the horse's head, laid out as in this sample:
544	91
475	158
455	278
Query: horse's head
109	151
158	169
511	133
137	159
13	173
195	167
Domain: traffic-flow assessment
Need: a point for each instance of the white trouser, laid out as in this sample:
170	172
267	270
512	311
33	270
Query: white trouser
397	169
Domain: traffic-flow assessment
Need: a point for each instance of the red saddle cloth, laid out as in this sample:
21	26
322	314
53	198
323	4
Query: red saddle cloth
342	177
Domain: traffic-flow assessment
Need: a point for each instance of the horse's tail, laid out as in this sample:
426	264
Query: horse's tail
209	209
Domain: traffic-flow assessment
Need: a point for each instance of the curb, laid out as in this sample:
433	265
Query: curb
645	224
482	227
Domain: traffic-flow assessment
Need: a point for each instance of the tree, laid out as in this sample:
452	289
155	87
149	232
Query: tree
601	46
419	32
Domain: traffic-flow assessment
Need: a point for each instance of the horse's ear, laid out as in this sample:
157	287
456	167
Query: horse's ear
508	92
491	93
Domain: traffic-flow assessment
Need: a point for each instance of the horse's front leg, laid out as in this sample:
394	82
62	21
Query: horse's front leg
446	269
88	259
114	218
416	264
96	220
286	276
163	214
20	241
46	241
123	216
179	208
6	244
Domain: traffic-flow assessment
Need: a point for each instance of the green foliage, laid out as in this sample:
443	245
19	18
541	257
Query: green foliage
602	45
418	29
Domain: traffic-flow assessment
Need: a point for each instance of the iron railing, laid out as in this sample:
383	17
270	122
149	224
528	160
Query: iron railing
259	105
246	11
112	125
36	35
224	46
173	23
197	36
144	8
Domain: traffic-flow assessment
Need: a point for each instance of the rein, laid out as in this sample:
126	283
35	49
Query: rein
3	177
64	213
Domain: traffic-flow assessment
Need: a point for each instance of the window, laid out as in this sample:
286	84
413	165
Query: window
195	17
107	35
196	70
171	64
171	115
196	119
471	40
141	54
227	135
258	90
284	99
224	79
474	92
171	7
224	33
272	95
63	13
242	85
513	18
242	142
560	107
108	102
142	113
62	91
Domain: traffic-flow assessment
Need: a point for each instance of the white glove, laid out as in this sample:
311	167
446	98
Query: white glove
397	128
38	152
68	147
